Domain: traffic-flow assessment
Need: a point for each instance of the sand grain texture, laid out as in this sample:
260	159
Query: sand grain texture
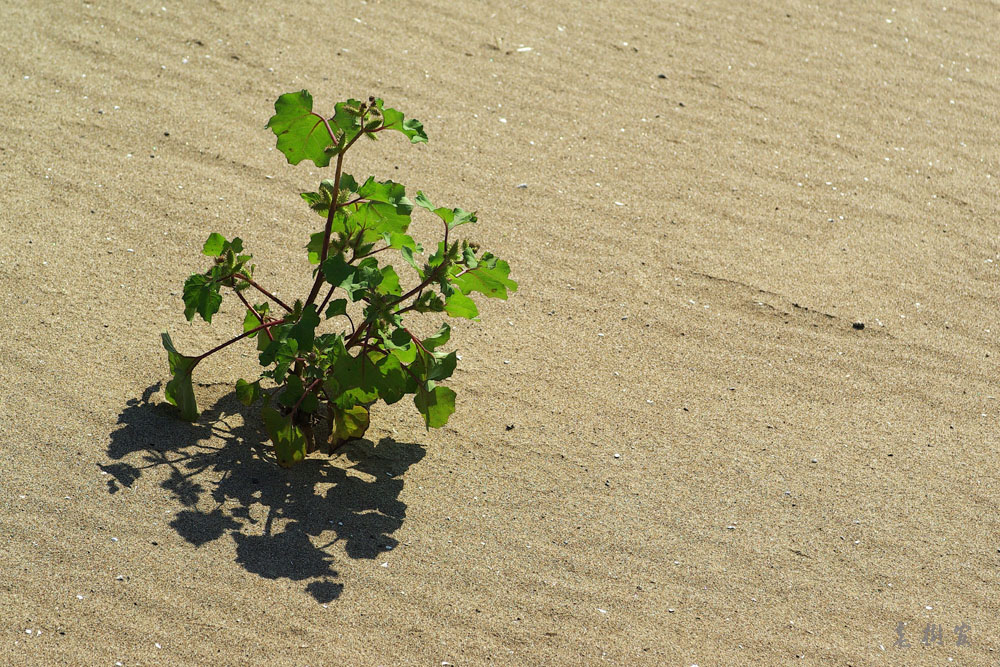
715	192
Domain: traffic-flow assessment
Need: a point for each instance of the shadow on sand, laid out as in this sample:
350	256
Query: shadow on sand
316	504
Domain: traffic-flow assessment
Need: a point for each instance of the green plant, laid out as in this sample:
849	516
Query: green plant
327	382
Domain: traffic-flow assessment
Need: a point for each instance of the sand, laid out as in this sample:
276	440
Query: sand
672	445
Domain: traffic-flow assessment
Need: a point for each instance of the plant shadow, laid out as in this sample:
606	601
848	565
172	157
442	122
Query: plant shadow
283	522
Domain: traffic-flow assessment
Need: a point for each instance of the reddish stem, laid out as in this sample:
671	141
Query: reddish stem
240	337
263	291
255	313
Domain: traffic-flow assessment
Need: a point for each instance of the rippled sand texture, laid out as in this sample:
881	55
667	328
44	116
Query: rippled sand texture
672	445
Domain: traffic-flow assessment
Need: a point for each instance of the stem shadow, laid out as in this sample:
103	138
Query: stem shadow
283	522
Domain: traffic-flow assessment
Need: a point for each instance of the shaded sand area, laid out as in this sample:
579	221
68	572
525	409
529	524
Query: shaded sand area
672	445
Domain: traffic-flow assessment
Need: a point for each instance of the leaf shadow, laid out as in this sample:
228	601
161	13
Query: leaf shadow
284	523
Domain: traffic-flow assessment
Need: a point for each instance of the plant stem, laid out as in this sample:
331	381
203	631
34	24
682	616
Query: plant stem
369	254
263	291
353	340
314	292
305	393
326	300
240	337
255	313
328	229
416	340
427	281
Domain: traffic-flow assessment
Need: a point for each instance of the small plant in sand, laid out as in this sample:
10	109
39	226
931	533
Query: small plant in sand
326	378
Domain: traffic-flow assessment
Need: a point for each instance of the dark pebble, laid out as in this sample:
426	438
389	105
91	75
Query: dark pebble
858	325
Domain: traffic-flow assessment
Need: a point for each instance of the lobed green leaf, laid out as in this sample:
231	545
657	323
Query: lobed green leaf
395	120
489	277
302	133
435	403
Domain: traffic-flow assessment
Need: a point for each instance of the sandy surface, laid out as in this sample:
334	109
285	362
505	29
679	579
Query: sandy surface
715	194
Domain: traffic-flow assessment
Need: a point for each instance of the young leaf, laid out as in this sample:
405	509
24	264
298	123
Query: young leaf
411	127
302	134
347	119
289	442
429	302
435	403
453	217
214	245
179	390
201	295
407	253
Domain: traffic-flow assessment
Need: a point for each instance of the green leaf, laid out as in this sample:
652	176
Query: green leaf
411	127
250	320
336	307
435	403
289	442
315	247
302	134
179	390
442	367
459	305
390	377
338	272
282	352
201	295
293	391
248	392
214	245
407	254
442	336
384	211
390	282
347	119
453	217
400	345
489	277
305	329
349	424
399	241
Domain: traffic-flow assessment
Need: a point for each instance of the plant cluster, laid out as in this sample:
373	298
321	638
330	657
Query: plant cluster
326	380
